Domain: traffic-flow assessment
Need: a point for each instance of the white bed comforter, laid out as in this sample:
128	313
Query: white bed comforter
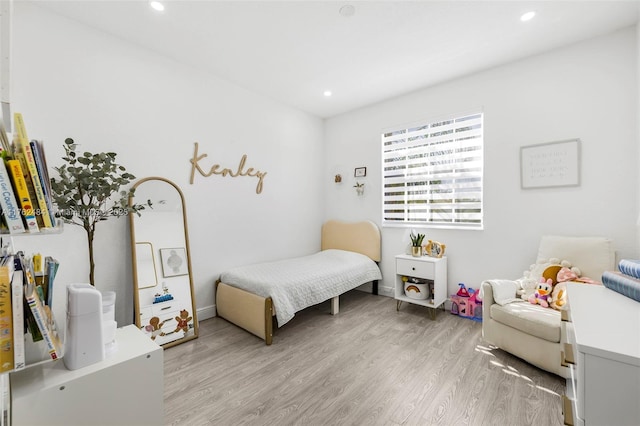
297	283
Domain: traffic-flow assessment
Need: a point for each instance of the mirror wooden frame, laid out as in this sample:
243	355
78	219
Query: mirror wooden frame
154	328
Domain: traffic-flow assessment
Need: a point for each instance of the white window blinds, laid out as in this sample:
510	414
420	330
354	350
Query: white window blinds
432	173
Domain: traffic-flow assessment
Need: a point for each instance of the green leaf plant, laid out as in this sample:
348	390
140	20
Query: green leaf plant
416	240
87	191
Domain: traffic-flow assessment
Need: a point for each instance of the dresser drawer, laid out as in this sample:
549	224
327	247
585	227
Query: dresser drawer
146	312
415	268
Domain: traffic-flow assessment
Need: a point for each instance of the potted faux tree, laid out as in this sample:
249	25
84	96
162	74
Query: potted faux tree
416	244
87	191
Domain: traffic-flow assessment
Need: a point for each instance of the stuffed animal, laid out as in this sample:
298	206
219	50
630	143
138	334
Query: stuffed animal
529	282
543	292
526	288
559	296
565	274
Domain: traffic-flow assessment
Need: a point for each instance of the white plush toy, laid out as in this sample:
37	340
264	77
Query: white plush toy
531	278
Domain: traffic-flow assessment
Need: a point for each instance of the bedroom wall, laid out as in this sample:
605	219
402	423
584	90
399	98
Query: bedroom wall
588	90
72	81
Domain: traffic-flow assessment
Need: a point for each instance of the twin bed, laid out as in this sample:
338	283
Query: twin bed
251	296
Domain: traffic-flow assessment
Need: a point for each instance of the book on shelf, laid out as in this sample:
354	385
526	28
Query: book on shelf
22	194
6	314
41	275
40	313
23	150
50	269
9	203
17	295
29	185
37	147
30	321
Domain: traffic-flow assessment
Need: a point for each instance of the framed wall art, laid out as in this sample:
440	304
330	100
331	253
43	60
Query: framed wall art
550	164
360	172
174	261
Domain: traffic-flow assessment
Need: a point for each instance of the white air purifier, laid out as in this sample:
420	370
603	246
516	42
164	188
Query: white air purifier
84	343
109	324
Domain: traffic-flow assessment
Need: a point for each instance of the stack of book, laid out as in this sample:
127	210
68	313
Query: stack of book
25	187
25	300
626	280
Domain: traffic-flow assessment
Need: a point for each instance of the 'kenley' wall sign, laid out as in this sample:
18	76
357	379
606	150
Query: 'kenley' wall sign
215	170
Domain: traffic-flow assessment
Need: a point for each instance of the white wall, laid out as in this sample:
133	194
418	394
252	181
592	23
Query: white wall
71	81
587	91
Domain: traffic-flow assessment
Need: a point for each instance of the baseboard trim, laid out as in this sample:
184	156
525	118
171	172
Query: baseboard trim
386	291
206	312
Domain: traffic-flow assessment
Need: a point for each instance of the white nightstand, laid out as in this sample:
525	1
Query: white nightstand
425	268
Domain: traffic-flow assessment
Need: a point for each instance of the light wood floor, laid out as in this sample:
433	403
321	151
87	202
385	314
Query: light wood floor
368	365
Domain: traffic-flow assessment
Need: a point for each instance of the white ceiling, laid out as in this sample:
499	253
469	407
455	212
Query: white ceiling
293	51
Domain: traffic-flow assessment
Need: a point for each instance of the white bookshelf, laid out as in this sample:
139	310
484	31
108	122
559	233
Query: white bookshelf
125	388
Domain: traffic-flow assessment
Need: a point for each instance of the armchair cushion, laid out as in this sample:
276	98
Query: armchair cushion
593	255
530	319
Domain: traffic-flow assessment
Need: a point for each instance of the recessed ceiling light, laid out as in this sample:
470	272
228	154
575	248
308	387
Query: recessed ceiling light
347	10
527	16
327	93
157	5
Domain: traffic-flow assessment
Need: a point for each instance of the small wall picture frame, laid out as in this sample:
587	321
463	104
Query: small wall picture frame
550	164
360	172
435	249
174	261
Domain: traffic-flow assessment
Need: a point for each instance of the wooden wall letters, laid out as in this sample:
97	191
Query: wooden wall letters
215	169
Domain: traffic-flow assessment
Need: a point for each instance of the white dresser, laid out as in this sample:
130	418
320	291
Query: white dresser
124	389
602	349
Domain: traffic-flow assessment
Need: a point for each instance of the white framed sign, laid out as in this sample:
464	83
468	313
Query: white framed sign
550	164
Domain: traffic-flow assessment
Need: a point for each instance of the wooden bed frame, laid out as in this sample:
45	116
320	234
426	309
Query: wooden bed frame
256	314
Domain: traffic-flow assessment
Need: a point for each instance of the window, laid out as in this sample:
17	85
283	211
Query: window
432	173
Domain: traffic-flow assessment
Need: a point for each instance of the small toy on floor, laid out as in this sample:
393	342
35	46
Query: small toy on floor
466	303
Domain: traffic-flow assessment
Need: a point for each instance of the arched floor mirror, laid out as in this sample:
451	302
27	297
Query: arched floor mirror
164	299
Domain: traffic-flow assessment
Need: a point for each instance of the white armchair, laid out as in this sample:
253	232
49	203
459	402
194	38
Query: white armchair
532	332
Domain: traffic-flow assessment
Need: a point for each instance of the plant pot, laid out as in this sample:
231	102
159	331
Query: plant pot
416	251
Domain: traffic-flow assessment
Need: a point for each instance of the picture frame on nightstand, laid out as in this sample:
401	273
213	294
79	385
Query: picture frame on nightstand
435	249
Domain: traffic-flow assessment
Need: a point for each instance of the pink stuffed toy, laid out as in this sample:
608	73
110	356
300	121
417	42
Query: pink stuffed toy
543	292
565	274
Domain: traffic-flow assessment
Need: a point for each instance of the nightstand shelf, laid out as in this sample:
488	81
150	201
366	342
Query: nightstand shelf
425	268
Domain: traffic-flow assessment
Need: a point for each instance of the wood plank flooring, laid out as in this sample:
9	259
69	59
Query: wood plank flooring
368	365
